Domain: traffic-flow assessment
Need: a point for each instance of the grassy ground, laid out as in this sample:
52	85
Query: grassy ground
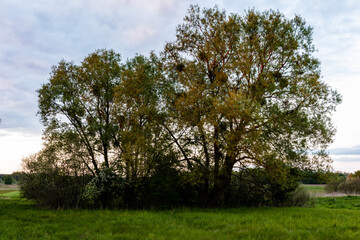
20	219
315	189
10	194
346	202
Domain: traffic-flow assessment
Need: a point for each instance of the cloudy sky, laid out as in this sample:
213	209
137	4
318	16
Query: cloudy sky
35	35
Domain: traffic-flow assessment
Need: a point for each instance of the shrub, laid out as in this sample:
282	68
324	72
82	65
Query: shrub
53	189
8	180
104	191
333	186
164	188
256	187
342	186
300	197
351	186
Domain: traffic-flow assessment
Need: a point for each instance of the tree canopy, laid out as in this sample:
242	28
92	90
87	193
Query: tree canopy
232	93
249	90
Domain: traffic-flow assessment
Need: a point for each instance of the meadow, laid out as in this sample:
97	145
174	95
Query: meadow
315	190
329	218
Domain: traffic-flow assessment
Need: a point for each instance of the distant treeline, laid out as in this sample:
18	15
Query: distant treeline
225	115
8	178
321	177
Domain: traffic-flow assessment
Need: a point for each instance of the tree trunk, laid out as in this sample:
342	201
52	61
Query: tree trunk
204	192
221	191
216	152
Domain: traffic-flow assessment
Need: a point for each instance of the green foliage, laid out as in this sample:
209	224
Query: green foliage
230	91
299	197
352	186
333	186
53	189
84	97
349	186
164	188
357	174
8	180
100	117
103	190
248	91
317	177
255	187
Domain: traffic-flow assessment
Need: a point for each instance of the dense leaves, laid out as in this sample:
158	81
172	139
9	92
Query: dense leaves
249	93
232	94
8	180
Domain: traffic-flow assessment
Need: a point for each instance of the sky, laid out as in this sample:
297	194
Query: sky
35	35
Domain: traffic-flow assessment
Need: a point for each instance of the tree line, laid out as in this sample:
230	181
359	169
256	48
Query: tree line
226	114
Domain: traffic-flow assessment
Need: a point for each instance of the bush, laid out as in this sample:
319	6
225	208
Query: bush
164	188
351	186
8	180
300	197
256	187
52	189
333	186
104	191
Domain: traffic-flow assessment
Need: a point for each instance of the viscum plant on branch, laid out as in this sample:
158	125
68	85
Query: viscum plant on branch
232	93
249	91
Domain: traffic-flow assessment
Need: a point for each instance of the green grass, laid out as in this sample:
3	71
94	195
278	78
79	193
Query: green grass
20	219
347	202
5	191
315	190
10	193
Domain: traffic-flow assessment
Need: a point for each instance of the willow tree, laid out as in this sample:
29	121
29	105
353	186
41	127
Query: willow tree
140	137
249	91
103	115
78	101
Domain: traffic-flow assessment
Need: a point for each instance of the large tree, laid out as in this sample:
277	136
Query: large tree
142	143
231	92
249	92
104	115
78	102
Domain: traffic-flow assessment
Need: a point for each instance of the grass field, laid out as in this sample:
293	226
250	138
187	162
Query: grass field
315	189
331	218
9	194
346	202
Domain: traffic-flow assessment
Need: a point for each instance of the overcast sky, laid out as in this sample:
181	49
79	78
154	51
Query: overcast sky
35	35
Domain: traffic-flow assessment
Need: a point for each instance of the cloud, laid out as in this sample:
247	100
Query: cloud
346	158
349	167
355	150
37	35
139	34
